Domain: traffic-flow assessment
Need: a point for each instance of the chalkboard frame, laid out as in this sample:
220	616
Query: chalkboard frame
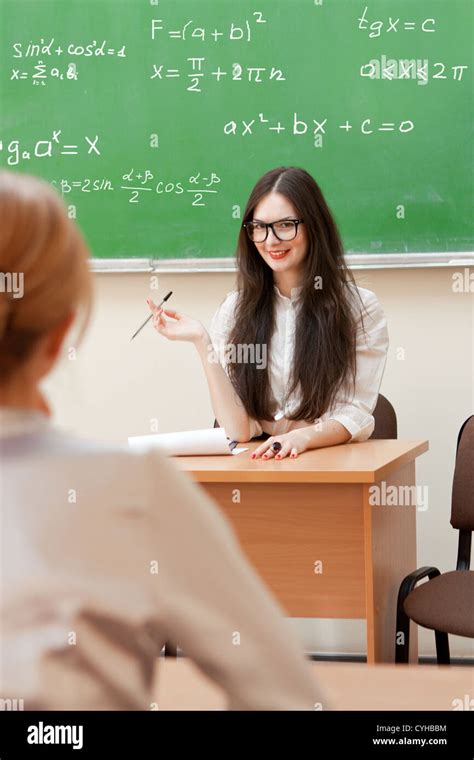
354	261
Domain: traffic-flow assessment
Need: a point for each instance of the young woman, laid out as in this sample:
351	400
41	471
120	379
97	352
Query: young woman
105	555
296	303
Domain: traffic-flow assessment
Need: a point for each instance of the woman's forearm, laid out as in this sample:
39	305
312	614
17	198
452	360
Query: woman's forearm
226	404
327	433
232	415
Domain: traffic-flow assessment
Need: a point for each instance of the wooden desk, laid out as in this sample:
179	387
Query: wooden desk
179	685
308	527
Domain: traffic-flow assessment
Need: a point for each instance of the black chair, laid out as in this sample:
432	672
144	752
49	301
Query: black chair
385	420
444	603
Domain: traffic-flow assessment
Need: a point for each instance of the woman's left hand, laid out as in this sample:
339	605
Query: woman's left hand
292	444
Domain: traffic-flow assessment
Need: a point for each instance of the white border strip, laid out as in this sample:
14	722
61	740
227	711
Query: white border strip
354	260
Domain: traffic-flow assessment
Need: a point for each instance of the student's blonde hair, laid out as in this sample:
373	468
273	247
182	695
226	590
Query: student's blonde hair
43	248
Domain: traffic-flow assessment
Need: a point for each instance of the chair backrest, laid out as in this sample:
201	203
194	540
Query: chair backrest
384	416
385	419
462	501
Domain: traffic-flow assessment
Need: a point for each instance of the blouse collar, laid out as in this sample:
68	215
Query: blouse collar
294	293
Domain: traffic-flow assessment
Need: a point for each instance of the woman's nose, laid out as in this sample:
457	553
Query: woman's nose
271	237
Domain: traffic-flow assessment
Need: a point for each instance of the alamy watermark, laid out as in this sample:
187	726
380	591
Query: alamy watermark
391	68
12	704
462	282
12	282
43	733
238	353
399	496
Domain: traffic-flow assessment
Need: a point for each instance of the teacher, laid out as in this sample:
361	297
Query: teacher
296	303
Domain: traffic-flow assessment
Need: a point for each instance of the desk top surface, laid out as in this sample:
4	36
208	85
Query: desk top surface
179	685
366	462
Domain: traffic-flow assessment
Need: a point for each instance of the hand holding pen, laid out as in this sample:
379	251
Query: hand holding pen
151	315
179	327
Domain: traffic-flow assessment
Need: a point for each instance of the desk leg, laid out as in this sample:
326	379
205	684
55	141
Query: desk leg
390	554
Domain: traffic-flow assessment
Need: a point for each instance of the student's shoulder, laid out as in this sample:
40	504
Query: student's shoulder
113	461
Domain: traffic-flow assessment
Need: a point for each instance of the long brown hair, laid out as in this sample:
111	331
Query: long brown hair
42	245
324	358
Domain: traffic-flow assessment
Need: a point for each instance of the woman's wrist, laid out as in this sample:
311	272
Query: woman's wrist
202	341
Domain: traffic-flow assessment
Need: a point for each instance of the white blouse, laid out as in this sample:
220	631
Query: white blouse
105	555
354	413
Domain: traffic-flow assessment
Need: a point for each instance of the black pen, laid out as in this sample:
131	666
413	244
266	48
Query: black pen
232	445
148	318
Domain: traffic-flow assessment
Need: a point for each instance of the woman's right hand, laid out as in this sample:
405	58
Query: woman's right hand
182	327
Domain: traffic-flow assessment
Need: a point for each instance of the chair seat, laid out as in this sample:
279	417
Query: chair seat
445	603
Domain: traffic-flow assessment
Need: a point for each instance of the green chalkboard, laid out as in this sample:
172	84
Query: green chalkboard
155	118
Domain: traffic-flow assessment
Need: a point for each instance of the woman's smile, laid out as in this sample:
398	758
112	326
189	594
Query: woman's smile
277	255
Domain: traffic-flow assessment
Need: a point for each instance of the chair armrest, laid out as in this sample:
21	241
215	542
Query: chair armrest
409	582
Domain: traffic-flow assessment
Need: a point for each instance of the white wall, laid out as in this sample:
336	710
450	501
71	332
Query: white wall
116	388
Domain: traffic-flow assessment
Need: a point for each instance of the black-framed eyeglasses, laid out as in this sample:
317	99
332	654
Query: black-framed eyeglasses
284	229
